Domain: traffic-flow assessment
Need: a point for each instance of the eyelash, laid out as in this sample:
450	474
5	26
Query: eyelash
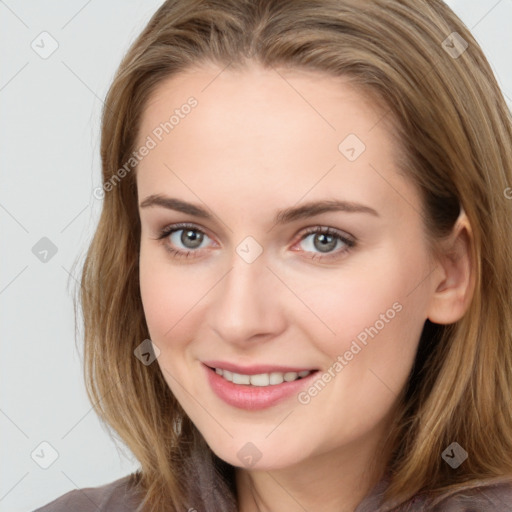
350	243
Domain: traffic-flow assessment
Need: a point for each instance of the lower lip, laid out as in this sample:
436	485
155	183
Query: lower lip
254	398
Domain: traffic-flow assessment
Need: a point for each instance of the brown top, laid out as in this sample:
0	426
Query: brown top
118	497
112	497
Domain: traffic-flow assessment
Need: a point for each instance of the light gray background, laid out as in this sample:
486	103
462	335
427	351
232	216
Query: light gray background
49	162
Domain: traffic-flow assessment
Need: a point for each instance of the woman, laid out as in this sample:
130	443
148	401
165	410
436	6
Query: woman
298	294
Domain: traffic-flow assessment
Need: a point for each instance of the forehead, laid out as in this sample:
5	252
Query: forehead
228	98
258	130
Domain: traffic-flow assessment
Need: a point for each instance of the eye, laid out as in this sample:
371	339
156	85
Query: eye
184	240
325	240
181	240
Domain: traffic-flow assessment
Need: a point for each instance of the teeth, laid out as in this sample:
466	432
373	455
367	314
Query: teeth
238	378
276	378
261	379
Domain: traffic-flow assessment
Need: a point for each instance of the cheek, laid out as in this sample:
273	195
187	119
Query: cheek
172	296
375	314
360	301
162	293
378	321
168	298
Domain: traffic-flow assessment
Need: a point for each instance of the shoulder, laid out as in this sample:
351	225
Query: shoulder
486	497
117	496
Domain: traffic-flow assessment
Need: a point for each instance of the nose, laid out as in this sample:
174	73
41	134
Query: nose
247	304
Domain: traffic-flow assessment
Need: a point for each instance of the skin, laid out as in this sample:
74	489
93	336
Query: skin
257	142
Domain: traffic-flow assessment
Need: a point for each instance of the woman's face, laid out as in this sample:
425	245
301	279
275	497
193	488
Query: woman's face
256	161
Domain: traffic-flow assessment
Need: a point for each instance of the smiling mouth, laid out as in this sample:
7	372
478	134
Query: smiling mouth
261	379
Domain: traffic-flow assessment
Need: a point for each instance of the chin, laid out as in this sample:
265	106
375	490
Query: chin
257	455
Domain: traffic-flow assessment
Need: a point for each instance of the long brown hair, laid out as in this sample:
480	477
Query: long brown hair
455	131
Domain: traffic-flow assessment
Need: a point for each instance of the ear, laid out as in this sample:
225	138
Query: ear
454	287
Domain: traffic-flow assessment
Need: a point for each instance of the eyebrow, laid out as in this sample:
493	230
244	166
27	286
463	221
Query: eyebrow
282	217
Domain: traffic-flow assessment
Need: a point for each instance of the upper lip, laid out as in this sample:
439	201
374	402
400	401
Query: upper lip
255	369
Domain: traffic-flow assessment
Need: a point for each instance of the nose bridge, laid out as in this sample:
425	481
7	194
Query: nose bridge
245	302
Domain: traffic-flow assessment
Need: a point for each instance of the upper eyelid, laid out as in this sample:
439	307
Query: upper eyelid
172	228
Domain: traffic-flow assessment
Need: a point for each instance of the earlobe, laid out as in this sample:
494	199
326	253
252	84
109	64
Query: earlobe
454	289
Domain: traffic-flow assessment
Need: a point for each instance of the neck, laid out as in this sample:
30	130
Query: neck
338	479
